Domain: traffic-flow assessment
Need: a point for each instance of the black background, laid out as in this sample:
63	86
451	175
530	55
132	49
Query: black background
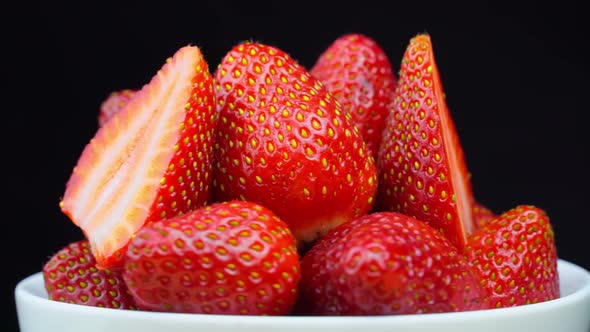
515	75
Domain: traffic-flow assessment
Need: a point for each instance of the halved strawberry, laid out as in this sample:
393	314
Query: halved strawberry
357	71
71	276
150	161
113	103
422	169
284	142
515	257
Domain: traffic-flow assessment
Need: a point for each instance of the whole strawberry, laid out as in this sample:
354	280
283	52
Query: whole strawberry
227	258
150	161
515	257
357	71
422	170
481	214
284	142
115	102
386	263
71	276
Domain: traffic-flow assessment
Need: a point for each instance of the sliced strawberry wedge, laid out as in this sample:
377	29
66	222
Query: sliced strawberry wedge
151	160
421	163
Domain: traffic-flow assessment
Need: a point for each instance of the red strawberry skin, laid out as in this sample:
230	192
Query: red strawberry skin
481	214
284	142
226	258
422	170
515	257
357	71
71	276
150	161
115	101
386	263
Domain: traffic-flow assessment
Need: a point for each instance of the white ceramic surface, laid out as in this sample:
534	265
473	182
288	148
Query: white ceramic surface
569	313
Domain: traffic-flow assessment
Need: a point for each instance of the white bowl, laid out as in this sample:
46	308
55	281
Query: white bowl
569	313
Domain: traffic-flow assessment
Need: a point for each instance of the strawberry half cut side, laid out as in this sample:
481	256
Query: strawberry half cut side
150	161
421	162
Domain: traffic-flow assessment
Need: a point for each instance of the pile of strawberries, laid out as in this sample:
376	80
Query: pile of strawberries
265	188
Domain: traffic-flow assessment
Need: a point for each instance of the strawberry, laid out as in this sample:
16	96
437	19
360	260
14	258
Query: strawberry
515	257
422	170
357	71
481	214
115	101
226	258
150	161
386	263
71	276
284	142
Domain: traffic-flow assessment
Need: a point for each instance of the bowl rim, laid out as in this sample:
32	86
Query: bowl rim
26	289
